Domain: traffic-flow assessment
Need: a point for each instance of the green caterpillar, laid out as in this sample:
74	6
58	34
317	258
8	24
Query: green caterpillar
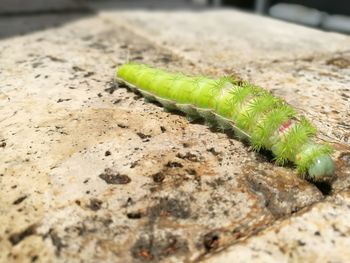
253	113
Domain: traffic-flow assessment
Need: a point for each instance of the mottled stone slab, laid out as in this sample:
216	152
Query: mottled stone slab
92	172
320	234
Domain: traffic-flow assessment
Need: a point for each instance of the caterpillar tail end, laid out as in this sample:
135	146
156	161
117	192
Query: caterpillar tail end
322	169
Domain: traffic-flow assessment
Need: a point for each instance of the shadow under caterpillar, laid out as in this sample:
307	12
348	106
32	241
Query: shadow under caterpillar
253	113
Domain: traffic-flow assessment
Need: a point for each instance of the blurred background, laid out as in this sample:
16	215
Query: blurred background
19	17
331	15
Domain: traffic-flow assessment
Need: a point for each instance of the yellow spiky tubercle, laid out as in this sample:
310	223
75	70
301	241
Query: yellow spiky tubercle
252	112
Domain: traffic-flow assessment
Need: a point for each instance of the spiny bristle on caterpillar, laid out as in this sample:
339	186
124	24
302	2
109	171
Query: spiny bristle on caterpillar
254	114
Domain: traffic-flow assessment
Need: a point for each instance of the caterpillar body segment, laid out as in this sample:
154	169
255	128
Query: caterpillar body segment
253	113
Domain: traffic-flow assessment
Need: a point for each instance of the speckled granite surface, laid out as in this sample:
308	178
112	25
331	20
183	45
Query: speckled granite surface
92	173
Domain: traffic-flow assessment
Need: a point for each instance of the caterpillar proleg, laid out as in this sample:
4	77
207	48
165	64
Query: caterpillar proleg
253	113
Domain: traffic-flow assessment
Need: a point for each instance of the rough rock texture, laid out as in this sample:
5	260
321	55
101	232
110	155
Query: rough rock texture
91	172
320	234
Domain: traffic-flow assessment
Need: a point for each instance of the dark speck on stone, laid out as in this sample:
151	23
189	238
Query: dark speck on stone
213	151
143	136
20	200
133	164
111	177
134	215
137	58
186	145
95	204
108	153
36	64
301	243
122	125
174	165
62	100
88	74
112	87
76	68
18	237
158	177
55	59
211	241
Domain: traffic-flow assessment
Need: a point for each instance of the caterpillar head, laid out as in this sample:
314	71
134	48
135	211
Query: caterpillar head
322	169
315	160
